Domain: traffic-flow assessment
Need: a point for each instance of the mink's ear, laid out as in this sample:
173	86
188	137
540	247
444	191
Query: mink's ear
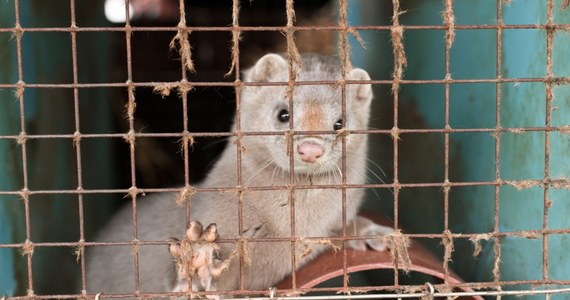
267	69
362	92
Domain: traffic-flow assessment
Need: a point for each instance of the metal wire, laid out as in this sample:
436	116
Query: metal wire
342	28
394	295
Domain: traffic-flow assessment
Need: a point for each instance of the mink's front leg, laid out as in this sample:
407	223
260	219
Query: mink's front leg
366	227
196	257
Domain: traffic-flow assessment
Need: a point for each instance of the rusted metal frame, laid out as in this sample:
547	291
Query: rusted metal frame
514	130
133	191
285	28
27	247
345	60
497	135
80	248
239	148
286	187
554	80
447	241
183	30
550	31
528	234
549	80
290	137
185	134
356	290
395	139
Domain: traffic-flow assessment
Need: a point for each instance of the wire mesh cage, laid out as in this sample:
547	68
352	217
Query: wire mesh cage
103	103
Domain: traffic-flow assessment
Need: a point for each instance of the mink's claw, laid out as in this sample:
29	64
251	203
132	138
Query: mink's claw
194	232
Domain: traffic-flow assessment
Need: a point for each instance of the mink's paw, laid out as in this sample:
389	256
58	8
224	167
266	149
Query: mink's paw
196	257
365	227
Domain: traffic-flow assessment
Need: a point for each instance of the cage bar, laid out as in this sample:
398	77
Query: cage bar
497	286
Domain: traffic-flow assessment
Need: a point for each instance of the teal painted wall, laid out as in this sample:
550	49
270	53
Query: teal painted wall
10	158
473	105
52	163
472	155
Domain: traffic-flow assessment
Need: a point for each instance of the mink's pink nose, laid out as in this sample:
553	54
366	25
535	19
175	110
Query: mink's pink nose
310	151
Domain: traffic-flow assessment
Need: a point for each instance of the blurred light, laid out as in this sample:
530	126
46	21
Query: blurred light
115	11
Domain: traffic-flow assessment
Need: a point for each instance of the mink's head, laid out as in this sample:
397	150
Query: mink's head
316	114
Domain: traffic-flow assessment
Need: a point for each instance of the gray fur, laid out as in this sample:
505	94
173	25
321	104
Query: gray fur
265	162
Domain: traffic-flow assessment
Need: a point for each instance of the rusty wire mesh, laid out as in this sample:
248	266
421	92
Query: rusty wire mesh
184	86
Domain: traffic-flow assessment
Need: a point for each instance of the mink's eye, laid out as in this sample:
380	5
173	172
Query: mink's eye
337	125
283	116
